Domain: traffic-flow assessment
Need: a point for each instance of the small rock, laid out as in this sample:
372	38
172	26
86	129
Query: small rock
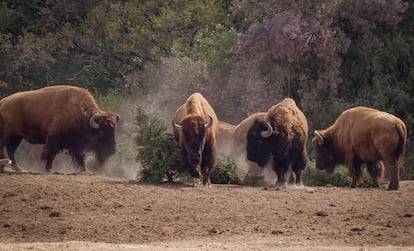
321	213
6	225
55	214
357	229
9	194
215	230
310	190
408	215
277	232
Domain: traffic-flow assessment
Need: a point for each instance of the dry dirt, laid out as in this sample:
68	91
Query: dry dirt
69	212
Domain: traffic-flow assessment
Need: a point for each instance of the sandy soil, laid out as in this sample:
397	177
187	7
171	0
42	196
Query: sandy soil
68	212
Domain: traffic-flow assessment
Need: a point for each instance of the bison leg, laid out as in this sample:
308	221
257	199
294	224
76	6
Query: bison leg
280	168
354	168
49	157
49	151
1	155
298	166
394	174
11	147
375	170
79	160
185	165
208	163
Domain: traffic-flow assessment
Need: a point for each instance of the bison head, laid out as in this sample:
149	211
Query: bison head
102	141
323	152
260	137
193	130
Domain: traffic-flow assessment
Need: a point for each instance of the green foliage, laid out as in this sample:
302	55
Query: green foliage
225	172
407	171
214	46
157	150
314	177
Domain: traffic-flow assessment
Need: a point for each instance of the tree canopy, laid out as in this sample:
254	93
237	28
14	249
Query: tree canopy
245	55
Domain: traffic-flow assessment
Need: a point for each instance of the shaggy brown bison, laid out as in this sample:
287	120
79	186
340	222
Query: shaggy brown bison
362	135
232	142
282	135
60	117
195	128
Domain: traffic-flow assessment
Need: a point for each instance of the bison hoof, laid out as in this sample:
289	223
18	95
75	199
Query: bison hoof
281	184
393	187
85	172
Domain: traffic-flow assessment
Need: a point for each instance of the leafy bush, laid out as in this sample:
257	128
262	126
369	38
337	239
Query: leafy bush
407	171
341	178
158	151
225	172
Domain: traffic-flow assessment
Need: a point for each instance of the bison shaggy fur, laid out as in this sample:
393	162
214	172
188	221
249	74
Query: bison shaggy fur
362	135
282	135
195	128
61	118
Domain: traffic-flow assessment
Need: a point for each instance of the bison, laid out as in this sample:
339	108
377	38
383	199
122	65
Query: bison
61	118
282	136
232	142
362	135
195	128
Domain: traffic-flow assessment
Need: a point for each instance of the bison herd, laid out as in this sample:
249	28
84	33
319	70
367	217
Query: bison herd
68	118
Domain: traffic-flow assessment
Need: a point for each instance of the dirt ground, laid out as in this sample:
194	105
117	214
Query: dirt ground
69	212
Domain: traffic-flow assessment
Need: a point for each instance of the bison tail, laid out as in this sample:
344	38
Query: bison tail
402	133
1	129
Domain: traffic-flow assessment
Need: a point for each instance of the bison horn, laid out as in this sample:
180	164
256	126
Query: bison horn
92	121
210	123
318	136
117	117
177	125
268	132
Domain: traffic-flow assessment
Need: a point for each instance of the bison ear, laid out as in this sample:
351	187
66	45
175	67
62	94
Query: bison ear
318	137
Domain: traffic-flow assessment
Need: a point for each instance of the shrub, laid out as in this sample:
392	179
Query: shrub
158	151
225	172
407	171
341	178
